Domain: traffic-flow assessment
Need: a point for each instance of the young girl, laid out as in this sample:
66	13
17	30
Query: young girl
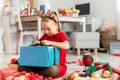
55	37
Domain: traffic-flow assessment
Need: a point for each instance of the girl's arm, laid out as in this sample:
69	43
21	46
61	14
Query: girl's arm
36	42
63	45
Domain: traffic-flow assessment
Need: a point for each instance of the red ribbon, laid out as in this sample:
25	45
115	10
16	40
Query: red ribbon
30	76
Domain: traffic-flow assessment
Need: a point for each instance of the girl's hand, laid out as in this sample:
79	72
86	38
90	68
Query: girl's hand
46	42
36	42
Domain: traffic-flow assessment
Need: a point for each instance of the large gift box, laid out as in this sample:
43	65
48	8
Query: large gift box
5	72
39	56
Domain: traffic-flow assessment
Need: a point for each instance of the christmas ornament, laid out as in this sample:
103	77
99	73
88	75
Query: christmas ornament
87	60
106	73
14	61
95	75
73	75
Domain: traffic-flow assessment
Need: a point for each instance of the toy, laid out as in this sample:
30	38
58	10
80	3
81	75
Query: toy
93	67
87	60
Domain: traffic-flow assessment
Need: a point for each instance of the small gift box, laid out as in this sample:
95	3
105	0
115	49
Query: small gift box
5	72
39	56
13	66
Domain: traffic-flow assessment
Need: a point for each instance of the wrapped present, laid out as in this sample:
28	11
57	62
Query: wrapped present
5	72
25	76
0	77
13	66
39	56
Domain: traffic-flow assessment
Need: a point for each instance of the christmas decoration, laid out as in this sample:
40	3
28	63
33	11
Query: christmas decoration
13	61
106	73
95	75
25	76
71	76
87	60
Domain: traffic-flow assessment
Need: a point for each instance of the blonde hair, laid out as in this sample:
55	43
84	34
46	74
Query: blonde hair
52	16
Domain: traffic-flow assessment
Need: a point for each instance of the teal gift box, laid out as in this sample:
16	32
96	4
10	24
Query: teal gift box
38	56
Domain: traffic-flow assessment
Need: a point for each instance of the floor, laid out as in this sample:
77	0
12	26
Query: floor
113	60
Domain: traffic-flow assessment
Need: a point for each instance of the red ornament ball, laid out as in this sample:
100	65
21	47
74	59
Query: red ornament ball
14	61
87	60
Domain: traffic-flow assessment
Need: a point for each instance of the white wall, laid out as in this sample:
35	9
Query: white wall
106	9
81	1
55	4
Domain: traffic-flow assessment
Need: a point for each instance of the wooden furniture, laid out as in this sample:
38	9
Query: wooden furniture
85	40
66	19
62	20
26	32
33	18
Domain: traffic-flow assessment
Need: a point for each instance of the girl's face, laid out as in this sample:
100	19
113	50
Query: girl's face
50	27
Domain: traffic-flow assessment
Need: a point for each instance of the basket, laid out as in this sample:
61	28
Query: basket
107	36
108	33
105	42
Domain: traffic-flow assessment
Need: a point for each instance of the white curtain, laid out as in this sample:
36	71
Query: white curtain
1	28
118	18
1	7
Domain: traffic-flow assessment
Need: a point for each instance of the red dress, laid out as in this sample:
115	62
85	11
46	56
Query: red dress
59	37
